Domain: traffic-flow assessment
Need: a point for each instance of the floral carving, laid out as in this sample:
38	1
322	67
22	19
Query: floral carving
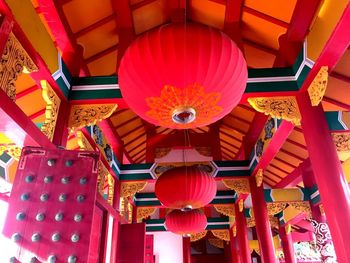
259	177
83	142
131	188
12	150
86	115
51	112
227	210
240	186
268	128
144	212
259	147
250	221
275	208
273	221
278	107
342	141
216	242
222	234
14	61
301	206
240	205
317	89
198	236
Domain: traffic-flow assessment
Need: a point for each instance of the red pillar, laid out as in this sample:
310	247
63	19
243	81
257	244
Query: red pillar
329	175
262	223
116	223
234	248
287	244
242	236
186	249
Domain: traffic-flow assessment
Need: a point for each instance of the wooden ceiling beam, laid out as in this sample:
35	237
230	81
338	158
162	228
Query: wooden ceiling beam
266	17
101	54
291	42
337	103
233	18
141	4
27	91
178	9
291	180
94	26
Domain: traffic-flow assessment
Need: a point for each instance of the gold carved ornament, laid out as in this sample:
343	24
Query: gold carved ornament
216	242
273	221
250	221
240	186
14	61
83	142
288	229
222	234
101	177
259	177
144	212
131	188
172	100
318	87
342	141
227	210
240	205
111	183
275	207
89	114
285	108
234	230
301	206
51	112
197	236
12	150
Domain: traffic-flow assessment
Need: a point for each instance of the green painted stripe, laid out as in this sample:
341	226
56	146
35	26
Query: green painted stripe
226	226
2	172
66	72
280	86
155	221
99	80
225	192
95	94
136	166
270	72
306	70
135	177
267	195
145	195
5	157
333	122
233	173
298	60
222	201
155	228
218	219
231	163
247	212
147	203
63	86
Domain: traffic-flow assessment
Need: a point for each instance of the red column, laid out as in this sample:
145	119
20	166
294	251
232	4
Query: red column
116	223
234	248
287	244
186	249
329	175
242	236
262	224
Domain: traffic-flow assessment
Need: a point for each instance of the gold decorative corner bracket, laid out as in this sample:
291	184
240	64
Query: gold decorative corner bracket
342	141
227	210
130	188
83	142
144	212
275	207
222	234
198	236
240	186
87	114
285	108
14	61
240	205
259	177
216	242
318	87
51	112
301	206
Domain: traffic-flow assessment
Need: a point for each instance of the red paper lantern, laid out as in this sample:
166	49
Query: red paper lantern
186	222
182	76
186	187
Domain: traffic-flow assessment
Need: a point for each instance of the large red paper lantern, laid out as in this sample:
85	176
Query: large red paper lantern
186	222
182	76
186	187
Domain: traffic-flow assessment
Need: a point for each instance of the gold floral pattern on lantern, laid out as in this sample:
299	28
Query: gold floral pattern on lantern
318	87
131	188
144	212
197	236
227	210
275	207
193	96
222	234
285	108
240	186
342	141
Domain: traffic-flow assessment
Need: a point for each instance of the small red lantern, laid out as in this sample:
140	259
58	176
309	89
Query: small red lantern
185	187
186	222
182	76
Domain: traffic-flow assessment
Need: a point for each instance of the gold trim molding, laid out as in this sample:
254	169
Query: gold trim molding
275	207
221	234
144	212
89	114
52	107
227	210
285	108
259	177
14	61
318	87
131	188
342	141
240	186
197	236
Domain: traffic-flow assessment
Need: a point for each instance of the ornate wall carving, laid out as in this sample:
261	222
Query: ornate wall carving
278	107
51	112
342	141
227	210
83	142
131	188
198	236
240	186
86	114
317	89
144	212
222	234
14	61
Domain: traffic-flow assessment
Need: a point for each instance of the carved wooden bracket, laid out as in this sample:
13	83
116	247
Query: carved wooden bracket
318	87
